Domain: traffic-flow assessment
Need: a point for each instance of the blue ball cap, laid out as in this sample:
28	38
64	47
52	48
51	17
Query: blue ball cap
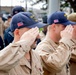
17	9
25	19
59	18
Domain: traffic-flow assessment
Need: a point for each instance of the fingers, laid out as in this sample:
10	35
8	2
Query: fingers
69	29
34	32
67	32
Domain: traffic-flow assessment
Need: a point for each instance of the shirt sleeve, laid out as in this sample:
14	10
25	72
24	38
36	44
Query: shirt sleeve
56	59
73	55
10	55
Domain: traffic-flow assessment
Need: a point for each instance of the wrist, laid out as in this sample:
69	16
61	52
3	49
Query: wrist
67	41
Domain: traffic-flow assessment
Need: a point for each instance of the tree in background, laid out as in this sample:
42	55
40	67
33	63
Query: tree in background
63	4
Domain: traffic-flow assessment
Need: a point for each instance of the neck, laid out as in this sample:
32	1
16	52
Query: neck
53	37
27	55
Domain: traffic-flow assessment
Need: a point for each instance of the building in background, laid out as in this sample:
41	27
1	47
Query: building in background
5	8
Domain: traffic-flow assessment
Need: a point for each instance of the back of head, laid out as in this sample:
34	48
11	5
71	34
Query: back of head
72	17
9	16
59	17
17	9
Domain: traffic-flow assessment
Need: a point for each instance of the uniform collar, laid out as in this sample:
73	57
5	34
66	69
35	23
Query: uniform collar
51	42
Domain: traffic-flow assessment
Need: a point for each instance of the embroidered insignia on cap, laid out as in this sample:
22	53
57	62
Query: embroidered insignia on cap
20	24
34	18
65	15
55	21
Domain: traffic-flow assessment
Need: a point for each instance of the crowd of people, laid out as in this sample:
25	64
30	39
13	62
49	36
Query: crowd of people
27	51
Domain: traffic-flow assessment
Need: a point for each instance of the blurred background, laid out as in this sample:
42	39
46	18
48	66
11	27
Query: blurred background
39	7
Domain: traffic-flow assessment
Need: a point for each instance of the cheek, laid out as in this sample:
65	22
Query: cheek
57	32
20	33
74	28
62	28
75	31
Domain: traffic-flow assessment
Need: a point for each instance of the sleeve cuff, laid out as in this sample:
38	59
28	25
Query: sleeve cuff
69	42
23	44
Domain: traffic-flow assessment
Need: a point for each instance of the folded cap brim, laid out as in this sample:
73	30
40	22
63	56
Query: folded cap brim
39	25
68	23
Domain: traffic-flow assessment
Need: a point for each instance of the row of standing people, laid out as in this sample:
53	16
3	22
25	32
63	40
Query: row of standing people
52	54
3	27
5	33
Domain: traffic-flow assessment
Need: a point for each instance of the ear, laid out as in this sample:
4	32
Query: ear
53	26
16	35
16	32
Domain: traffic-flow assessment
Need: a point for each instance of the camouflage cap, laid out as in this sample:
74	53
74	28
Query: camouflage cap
72	17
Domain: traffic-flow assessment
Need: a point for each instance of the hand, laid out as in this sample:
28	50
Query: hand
74	32
68	32
30	36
